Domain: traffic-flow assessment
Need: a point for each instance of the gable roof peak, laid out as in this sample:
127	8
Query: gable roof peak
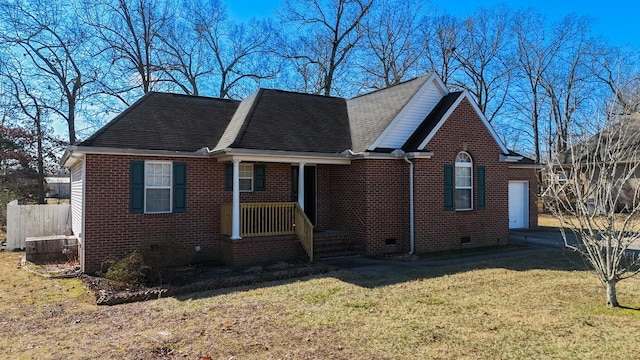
385	118
422	78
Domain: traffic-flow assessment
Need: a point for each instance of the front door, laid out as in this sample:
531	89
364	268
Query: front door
309	190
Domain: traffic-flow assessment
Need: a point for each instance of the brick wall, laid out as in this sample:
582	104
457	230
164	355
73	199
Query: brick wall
530	175
260	249
377	192
437	229
387	205
111	231
278	185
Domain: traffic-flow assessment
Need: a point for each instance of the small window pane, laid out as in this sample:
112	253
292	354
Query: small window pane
165	180
463	157
158	174
463	176
463	198
246	171
158	200
246	184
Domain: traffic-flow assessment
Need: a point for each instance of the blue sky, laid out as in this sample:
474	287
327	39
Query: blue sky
615	20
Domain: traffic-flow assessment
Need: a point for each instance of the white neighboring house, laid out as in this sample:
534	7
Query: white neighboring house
59	186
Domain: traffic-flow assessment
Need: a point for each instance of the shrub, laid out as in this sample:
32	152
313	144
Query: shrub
131	270
162	254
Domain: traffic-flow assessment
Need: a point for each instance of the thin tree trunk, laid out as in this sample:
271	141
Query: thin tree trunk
612	297
41	190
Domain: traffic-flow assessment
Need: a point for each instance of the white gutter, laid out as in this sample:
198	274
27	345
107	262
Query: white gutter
397	153
411	210
510	158
73	150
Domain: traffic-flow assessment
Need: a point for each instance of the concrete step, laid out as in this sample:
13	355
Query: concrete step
331	244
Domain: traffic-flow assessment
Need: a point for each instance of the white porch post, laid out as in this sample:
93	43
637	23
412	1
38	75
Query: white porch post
301	185
235	206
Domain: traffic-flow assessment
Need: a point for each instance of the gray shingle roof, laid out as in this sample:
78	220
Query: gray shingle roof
524	161
266	120
371	113
282	120
619	140
162	121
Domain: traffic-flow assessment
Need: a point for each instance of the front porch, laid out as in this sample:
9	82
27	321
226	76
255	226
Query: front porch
278	231
284	220
256	225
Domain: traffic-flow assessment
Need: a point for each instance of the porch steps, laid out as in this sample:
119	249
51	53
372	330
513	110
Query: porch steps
332	244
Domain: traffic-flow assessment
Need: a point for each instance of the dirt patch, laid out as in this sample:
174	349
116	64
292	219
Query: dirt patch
197	278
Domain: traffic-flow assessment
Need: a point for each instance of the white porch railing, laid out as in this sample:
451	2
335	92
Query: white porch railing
270	219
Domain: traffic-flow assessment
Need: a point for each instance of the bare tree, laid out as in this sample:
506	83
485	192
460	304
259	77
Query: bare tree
238	52
391	38
441	37
590	183
485	60
42	31
619	70
128	37
569	80
183	51
29	105
537	50
326	33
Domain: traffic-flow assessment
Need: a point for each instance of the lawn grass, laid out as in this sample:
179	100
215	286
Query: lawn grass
550	221
543	306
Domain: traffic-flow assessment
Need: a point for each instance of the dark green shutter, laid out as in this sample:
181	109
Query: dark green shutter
136	187
228	176
448	187
259	178
179	187
481	187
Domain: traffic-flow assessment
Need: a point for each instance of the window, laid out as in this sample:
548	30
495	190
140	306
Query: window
246	177
464	182
252	177
157	187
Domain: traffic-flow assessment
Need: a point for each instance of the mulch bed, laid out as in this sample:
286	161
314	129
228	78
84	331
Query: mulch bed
193	279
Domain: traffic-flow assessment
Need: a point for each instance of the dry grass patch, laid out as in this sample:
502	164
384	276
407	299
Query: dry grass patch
543	306
548	220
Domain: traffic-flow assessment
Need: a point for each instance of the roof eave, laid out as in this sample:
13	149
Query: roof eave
510	158
70	154
278	156
526	166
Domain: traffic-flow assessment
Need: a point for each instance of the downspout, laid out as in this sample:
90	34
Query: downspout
411	230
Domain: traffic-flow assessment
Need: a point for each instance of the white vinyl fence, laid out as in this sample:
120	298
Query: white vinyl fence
25	221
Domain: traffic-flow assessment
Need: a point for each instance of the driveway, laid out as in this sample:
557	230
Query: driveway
550	237
537	241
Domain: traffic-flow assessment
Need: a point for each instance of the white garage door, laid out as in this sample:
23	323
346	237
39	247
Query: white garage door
518	204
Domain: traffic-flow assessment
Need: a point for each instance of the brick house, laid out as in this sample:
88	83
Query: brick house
280	175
